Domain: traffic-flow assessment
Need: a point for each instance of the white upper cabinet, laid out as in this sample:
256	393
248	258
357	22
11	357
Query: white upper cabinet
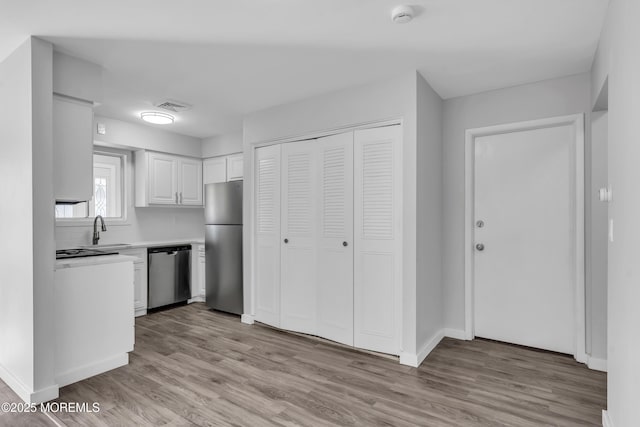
223	168
73	149
190	181
167	180
235	167
214	170
163	179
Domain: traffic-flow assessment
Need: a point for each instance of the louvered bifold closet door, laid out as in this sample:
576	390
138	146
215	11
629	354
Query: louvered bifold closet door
267	235
377	239
335	238
299	237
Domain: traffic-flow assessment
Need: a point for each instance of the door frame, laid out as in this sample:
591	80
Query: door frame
577	122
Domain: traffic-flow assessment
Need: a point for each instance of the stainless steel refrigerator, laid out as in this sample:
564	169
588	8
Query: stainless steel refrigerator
223	246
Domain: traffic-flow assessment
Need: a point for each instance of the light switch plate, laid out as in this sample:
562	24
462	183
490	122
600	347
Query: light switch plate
102	129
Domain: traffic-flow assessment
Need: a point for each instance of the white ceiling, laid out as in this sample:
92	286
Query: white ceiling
229	58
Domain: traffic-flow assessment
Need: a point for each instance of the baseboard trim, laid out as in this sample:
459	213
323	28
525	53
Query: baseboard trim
458	334
86	371
597	364
248	319
198	298
28	396
45	394
606	421
415	360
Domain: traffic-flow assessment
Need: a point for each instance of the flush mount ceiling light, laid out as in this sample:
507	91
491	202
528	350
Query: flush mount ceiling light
157	118
402	14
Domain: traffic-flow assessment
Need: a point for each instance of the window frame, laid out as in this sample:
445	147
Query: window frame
125	157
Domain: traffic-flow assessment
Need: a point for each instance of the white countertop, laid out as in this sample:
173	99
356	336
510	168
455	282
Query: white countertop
121	246
92	260
152	243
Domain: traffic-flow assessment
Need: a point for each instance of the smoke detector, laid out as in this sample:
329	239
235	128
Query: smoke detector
402	14
172	105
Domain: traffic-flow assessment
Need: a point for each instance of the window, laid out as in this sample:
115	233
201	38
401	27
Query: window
108	190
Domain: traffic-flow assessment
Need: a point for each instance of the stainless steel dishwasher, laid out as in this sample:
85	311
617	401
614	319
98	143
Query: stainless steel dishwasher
169	277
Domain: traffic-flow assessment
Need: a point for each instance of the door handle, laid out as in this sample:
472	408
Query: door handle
480	247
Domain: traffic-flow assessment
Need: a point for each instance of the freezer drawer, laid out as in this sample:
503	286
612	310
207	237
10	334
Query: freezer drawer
169	276
223	257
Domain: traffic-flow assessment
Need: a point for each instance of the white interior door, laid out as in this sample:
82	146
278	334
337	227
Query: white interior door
524	276
335	238
299	237
267	237
377	238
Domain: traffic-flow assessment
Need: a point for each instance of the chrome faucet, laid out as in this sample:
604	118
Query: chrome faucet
96	234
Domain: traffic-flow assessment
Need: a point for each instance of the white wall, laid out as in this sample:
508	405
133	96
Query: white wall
143	224
26	273
429	217
596	247
141	136
623	377
557	97
390	99
77	78
222	145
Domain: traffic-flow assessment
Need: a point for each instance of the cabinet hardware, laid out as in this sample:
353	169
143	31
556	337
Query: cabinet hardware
286	240
344	243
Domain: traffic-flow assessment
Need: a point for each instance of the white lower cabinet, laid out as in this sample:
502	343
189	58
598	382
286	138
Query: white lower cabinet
198	279
93	318
139	279
327	228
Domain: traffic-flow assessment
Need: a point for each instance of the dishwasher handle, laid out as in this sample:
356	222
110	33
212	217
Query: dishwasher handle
169	250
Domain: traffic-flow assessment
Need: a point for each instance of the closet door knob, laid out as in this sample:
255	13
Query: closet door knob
344	243
286	240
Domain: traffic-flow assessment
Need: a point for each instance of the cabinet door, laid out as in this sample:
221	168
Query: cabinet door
73	149
377	239
335	238
190	178
140	288
139	279
163	179
267	235
299	201
202	278
234	167
215	170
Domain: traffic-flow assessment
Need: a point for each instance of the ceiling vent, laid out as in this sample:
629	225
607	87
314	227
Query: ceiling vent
172	105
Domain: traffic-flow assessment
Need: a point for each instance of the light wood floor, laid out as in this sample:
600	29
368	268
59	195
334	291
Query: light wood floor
193	367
